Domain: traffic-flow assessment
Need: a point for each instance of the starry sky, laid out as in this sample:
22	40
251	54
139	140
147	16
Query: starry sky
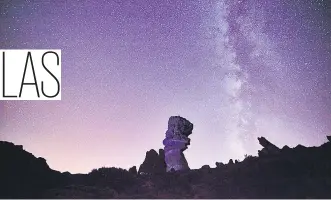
236	69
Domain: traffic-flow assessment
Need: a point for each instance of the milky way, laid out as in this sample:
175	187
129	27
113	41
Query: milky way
236	69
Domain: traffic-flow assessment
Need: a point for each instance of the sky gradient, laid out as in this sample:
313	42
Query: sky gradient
236	69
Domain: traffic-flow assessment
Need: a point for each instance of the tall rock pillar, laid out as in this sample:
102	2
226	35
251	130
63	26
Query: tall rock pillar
176	142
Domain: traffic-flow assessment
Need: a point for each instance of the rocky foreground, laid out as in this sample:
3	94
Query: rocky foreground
300	172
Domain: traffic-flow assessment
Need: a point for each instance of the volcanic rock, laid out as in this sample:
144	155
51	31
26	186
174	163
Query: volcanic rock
268	147
301	172
286	148
133	170
21	170
153	163
176	142
300	147
161	156
219	164
205	167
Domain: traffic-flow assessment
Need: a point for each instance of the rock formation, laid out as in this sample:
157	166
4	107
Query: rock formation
268	147
161	158
153	163
300	147
301	172
205	167
286	148
219	164
133	170
24	175
176	142
329	138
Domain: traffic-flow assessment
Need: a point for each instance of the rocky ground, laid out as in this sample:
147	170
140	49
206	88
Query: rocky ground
300	172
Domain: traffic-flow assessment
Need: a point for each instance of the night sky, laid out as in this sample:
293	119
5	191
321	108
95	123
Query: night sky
236	69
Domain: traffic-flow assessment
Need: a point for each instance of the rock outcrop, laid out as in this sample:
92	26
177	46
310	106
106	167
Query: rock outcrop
153	163
329	138
176	142
133	170
294	173
268	147
300	147
22	171
219	164
205	167
286	148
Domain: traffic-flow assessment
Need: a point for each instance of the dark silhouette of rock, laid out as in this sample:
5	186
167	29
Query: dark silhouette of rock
176	142
268	147
329	138
161	155
300	147
219	164
286	149
205	167
115	178
20	170
153	163
133	170
300	172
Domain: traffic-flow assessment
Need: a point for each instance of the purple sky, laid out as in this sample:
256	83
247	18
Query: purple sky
236	69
